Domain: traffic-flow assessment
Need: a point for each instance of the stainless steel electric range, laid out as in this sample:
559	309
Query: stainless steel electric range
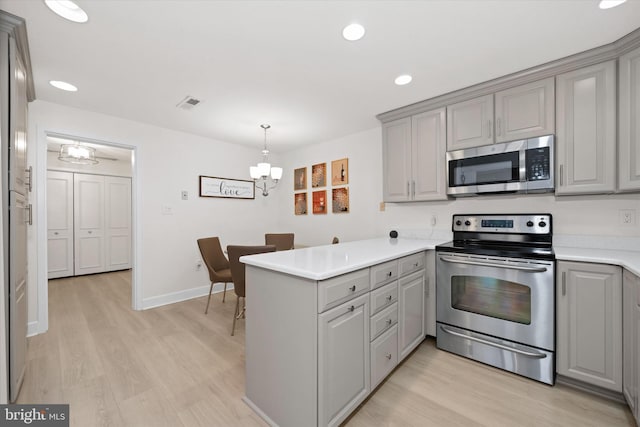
496	292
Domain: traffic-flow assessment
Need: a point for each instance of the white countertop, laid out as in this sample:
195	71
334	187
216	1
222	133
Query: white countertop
323	262
624	258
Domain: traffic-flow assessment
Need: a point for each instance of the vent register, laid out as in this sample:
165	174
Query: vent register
188	103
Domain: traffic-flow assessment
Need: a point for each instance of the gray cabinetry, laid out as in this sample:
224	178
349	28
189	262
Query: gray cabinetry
411	297
631	341
521	112
589	323
414	158
586	130
629	134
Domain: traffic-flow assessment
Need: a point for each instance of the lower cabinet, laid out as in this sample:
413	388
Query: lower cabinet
589	323
631	341
343	360
411	297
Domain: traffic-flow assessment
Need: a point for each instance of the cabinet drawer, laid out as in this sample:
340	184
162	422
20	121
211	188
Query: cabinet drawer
383	297
383	273
411	263
337	290
384	356
384	320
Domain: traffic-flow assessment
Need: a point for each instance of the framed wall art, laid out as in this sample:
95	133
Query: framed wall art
340	172
319	202
212	186
340	200
300	179
300	203
319	175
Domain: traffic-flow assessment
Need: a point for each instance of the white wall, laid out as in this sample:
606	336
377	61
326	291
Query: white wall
572	215
166	162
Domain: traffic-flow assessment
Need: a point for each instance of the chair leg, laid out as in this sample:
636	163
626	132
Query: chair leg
209	299
235	315
224	294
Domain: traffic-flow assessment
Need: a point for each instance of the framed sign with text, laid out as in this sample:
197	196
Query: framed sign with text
211	186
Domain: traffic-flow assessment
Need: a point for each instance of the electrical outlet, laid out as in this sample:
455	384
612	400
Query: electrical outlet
627	216
198	264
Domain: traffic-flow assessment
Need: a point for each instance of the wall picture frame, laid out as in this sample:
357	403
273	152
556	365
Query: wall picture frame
300	179
319	175
300	203
340	200
340	172
226	188
319	202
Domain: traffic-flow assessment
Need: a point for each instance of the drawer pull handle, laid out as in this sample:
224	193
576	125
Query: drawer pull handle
415	265
389	321
353	288
352	308
389	298
388	356
389	274
55	233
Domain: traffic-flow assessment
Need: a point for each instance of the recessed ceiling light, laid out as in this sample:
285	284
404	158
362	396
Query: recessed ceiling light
63	85
403	79
353	32
608	4
68	10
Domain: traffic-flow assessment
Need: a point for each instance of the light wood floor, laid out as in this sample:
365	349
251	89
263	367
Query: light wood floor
174	366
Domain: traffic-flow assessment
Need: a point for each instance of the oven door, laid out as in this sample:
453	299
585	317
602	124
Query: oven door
507	298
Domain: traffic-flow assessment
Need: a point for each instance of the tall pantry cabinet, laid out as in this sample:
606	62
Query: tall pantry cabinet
89	223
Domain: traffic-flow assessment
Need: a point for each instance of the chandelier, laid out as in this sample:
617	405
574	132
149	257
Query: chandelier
78	154
265	176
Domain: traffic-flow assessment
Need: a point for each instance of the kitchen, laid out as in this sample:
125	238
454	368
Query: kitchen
594	215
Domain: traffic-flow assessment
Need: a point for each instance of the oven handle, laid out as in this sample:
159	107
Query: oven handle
489	264
495	344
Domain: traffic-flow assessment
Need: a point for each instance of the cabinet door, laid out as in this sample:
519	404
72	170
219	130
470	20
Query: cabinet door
59	224
89	223
629	110
410	313
396	160
589	341
470	123
343	360
586	130
629	336
525	111
430	295
117	223
428	153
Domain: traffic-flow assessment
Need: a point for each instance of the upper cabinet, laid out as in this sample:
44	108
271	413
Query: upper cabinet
521	112
414	158
586	131
629	134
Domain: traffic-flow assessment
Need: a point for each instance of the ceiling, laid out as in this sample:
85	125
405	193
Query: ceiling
285	63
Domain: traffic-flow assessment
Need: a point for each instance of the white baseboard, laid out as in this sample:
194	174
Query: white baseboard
184	295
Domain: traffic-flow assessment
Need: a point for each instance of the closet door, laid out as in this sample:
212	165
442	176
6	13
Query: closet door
117	223
88	206
59	224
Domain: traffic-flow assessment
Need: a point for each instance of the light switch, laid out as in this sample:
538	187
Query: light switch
185	195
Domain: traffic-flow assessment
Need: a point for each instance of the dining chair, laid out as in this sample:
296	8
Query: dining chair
282	241
217	264
238	273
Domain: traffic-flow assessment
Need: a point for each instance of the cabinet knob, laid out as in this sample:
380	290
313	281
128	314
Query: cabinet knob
352	308
90	231
415	265
353	288
389	356
389	274
389	298
55	233
389	321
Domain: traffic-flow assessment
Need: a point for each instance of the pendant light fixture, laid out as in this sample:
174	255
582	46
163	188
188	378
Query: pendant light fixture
265	176
78	154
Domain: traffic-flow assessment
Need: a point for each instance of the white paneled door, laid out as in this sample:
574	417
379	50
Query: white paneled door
59	224
88	203
117	223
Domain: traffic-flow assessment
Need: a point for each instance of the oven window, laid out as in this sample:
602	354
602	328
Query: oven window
492	297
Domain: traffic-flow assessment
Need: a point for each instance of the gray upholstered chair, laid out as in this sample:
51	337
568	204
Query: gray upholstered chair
217	264
282	241
238	273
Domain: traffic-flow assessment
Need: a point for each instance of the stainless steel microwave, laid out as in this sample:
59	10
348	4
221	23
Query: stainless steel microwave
524	166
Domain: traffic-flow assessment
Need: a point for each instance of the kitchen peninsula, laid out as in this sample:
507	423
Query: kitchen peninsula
326	324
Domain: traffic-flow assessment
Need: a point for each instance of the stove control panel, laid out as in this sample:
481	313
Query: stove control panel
503	223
